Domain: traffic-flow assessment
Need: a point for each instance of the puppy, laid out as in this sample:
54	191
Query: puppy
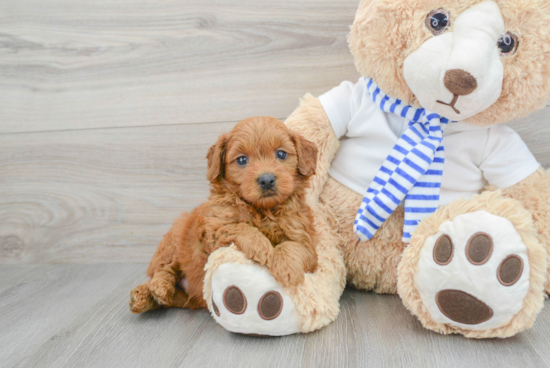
258	174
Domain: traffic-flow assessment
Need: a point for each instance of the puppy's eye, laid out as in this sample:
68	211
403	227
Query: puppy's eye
508	44
281	155
438	21
242	161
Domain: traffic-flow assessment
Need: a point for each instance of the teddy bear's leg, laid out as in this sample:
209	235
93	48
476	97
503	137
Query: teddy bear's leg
371	265
475	267
244	297
311	121
534	195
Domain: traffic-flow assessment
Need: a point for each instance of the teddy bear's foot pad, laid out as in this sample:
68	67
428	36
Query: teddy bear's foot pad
246	299
463	307
474	273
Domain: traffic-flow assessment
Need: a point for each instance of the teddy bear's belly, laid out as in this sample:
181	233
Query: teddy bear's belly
370	265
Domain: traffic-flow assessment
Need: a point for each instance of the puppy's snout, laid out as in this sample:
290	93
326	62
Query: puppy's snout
460	82
267	181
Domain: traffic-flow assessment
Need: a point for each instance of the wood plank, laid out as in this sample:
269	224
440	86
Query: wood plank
77	316
104	195
13	275
108	195
74	64
56	307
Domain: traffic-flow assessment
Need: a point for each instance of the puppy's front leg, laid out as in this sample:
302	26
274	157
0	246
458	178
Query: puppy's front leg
248	240
291	260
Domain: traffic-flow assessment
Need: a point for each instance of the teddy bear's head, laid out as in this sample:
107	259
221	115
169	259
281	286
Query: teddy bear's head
479	61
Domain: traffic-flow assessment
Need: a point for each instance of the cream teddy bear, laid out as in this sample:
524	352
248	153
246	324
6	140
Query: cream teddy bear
418	190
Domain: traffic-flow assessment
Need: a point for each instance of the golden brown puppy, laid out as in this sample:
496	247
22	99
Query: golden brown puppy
258	174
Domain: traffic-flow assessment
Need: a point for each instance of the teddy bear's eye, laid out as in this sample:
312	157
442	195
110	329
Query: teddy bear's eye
438	21
508	44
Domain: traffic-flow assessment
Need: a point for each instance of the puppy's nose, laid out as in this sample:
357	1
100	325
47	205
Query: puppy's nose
267	181
460	82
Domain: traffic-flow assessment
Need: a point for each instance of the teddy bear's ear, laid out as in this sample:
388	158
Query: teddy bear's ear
307	155
216	159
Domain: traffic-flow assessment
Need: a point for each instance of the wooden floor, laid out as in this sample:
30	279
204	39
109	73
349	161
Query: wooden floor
107	109
77	316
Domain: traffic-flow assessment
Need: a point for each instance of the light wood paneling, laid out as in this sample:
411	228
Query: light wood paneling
74	64
77	316
104	195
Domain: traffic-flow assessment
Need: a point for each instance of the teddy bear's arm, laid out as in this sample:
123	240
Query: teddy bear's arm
311	121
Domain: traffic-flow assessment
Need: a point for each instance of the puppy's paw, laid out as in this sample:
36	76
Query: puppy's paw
162	291
287	272
250	241
263	254
227	234
224	237
141	300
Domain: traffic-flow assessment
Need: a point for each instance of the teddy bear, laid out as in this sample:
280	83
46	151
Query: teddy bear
419	189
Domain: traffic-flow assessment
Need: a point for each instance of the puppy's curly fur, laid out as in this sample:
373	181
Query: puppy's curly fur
269	222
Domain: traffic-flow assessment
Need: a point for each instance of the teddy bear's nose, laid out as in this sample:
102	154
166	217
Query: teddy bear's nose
460	82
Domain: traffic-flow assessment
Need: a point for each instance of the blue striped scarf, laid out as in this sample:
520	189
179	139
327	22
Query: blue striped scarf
412	171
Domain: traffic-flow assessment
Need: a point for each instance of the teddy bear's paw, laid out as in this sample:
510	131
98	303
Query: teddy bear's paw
246	299
474	273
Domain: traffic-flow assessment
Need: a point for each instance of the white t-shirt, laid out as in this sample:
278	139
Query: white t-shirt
474	156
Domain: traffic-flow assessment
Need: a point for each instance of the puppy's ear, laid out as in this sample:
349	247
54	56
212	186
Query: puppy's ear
216	159
307	155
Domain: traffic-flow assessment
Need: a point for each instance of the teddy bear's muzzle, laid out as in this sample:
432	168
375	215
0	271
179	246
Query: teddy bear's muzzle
461	68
